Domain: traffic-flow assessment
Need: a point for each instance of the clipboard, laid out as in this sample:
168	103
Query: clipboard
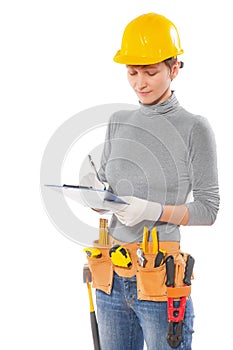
89	196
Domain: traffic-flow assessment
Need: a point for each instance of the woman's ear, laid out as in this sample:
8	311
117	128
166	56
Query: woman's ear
175	70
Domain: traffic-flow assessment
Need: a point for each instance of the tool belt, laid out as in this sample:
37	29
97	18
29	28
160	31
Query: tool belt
151	281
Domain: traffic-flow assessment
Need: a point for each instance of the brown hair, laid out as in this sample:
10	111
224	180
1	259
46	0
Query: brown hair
170	62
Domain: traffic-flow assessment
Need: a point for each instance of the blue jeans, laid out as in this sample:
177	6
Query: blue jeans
125	322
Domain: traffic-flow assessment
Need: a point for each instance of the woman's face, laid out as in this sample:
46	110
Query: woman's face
151	82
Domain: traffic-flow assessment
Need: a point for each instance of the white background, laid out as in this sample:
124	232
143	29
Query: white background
56	60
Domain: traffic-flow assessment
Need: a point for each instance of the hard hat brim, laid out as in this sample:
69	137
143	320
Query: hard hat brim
134	61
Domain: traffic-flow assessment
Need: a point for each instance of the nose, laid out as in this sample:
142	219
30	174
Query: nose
141	82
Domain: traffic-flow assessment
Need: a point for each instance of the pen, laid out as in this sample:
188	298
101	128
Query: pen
78	186
93	166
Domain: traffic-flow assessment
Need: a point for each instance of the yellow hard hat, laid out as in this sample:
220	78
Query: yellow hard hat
149	39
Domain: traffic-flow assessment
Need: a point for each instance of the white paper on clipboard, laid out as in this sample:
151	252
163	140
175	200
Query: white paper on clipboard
90	197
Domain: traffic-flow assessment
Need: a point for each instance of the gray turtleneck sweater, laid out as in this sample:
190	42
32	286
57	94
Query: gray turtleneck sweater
161	153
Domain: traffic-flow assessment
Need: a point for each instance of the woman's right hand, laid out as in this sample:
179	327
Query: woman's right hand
90	180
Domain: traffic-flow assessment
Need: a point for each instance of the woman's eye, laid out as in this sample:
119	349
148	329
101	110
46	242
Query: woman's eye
132	73
151	73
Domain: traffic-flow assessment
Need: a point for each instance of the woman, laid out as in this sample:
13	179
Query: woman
153	158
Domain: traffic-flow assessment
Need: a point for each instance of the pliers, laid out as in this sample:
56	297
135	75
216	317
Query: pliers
160	253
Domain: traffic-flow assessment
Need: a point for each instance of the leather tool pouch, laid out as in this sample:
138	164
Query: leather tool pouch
151	281
102	271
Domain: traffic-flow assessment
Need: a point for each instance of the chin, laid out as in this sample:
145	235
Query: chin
146	101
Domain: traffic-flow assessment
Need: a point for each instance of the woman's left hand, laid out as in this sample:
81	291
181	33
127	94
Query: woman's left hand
138	210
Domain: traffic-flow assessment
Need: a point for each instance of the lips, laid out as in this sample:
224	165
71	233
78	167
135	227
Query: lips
143	93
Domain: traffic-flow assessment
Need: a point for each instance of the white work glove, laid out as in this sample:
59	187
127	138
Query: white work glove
90	180
138	210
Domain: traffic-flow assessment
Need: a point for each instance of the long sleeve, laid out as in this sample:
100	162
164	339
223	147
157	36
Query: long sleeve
161	153
204	174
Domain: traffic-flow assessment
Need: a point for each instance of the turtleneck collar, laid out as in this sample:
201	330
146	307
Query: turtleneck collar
170	105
